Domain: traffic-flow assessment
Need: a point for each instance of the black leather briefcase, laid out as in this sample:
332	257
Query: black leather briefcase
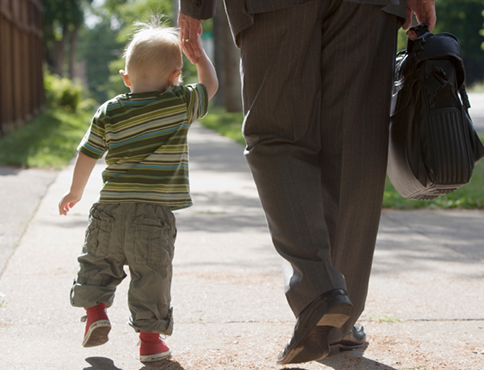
433	145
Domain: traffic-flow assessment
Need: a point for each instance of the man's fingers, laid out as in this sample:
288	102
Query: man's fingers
424	11
408	20
411	35
190	29
190	53
191	47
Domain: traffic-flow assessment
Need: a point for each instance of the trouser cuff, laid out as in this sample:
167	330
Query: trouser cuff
162	326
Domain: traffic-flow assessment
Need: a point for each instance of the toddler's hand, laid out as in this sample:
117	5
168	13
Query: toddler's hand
67	202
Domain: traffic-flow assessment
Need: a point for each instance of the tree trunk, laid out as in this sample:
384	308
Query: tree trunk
233	98
59	46
176	9
218	40
72	51
227	57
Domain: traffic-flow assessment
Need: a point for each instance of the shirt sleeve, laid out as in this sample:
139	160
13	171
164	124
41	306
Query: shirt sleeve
93	144
198	9
197	101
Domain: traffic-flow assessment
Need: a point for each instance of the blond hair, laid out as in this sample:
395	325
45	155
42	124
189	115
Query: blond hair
154	51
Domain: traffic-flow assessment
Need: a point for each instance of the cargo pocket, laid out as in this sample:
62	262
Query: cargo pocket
98	234
154	243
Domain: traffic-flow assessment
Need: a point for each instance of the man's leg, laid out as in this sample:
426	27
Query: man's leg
358	53
281	66
317	82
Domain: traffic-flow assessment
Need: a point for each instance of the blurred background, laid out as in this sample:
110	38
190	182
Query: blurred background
59	60
48	46
82	41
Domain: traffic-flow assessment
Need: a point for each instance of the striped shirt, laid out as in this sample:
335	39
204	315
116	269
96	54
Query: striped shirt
145	137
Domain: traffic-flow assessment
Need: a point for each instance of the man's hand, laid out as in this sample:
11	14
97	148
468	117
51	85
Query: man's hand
190	28
425	12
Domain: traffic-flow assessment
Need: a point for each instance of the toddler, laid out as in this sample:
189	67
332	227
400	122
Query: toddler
144	136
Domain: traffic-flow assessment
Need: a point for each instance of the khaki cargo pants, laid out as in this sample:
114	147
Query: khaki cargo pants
141	236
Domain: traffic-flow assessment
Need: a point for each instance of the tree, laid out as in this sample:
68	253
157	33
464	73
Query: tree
62	21
102	45
465	19
98	48
227	57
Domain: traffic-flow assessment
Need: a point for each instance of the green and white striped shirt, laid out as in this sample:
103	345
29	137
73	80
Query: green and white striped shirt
145	137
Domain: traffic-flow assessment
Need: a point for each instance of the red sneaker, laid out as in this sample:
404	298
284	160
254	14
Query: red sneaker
152	347
97	326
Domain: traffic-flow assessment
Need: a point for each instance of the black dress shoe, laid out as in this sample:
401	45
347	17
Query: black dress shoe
356	338
309	341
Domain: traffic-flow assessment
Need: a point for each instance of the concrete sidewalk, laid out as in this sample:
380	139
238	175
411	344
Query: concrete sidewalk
424	310
477	111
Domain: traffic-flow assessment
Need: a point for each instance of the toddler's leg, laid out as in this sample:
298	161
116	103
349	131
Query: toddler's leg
100	272
152	347
97	326
102	260
150	255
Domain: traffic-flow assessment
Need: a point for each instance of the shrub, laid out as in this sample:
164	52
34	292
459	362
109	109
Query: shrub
61	92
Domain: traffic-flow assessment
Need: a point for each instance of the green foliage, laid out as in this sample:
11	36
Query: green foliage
102	46
114	85
58	14
98	47
478	87
226	124
61	92
48	141
386	319
61	20
130	12
402	40
465	19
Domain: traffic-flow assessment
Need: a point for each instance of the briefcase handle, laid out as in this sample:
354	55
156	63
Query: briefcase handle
422	31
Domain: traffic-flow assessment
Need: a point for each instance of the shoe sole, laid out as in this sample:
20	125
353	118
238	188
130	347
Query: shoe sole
155	357
311	350
336	316
347	347
97	333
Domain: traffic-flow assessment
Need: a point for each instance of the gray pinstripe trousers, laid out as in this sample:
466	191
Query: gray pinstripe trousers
317	83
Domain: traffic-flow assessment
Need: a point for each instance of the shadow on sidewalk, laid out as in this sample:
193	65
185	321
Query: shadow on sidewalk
353	360
163	365
103	363
363	364
100	363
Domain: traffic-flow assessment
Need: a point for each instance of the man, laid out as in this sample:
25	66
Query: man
317	78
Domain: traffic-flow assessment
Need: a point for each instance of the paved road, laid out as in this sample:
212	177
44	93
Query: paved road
22	190
424	307
20	194
477	111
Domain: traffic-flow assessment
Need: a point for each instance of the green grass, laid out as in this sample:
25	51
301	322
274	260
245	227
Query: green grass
387	319
48	141
226	124
470	196
51	139
478	87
